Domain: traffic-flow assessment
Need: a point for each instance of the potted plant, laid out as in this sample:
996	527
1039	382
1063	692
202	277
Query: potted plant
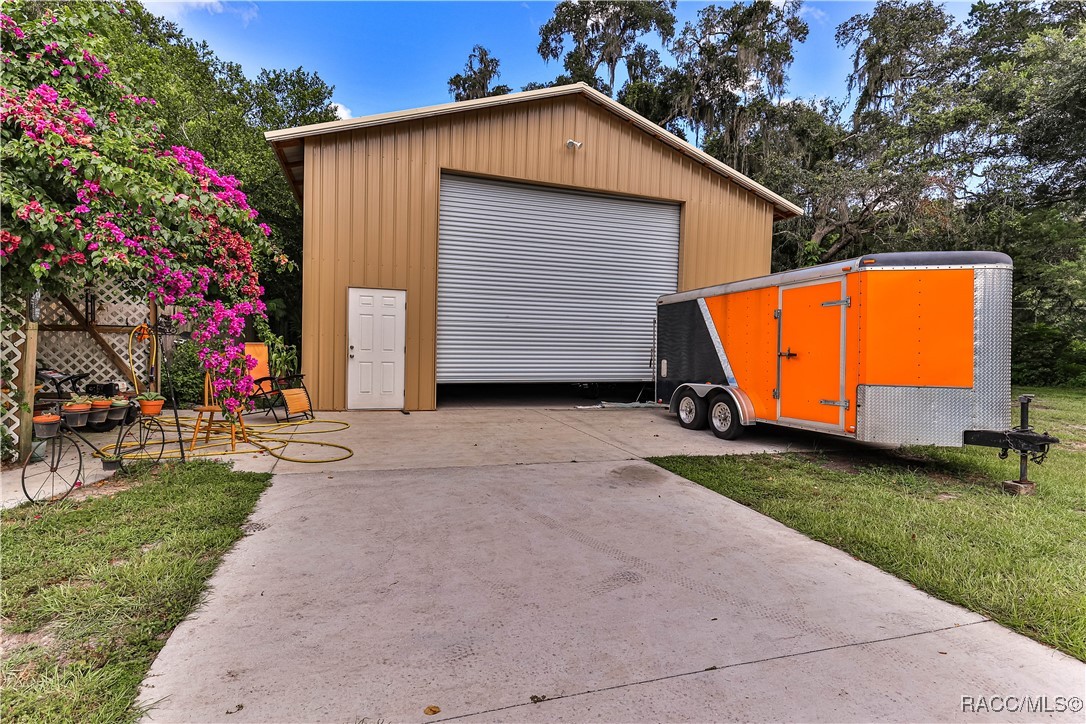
46	425
99	408
77	403
150	403
118	407
76	410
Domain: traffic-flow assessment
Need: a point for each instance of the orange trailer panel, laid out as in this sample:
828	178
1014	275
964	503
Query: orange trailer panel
918	328
750	344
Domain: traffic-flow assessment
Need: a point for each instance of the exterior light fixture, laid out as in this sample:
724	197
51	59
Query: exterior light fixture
90	304
33	306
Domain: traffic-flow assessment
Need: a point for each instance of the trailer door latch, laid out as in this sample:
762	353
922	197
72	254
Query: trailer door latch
846	302
835	403
788	353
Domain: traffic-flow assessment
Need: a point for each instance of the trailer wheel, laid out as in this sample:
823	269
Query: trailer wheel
692	410
724	417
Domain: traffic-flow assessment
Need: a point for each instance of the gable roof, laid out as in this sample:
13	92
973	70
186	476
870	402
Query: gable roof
288	143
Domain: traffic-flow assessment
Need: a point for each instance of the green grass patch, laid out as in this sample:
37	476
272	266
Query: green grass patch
93	588
938	518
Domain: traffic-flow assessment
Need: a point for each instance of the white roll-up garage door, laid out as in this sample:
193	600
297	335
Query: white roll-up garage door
546	285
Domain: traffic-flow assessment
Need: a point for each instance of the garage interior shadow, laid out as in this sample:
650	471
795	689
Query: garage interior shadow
552	395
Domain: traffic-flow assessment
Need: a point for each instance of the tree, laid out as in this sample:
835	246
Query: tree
731	61
479	72
604	32
211	106
651	89
93	190
898	47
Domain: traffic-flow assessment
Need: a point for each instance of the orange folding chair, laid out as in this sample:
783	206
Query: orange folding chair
289	390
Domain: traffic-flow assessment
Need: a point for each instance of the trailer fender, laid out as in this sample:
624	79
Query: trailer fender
742	402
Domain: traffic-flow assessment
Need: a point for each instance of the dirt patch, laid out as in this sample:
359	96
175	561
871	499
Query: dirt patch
639	474
855	462
837	462
107	486
10	641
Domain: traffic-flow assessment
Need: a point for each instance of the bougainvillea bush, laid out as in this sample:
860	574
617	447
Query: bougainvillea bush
90	191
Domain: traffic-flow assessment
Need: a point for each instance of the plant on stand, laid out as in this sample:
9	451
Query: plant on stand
150	403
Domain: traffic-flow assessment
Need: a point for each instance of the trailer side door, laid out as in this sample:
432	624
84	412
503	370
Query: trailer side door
811	354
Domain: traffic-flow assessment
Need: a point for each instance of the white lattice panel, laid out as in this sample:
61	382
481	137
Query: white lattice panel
11	349
78	352
113	307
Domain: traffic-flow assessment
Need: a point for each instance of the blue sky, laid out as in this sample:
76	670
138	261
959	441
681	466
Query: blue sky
387	56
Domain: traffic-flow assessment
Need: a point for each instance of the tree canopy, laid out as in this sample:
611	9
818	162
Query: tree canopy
954	135
93	191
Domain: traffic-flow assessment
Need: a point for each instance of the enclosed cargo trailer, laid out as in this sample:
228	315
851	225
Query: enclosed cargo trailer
906	348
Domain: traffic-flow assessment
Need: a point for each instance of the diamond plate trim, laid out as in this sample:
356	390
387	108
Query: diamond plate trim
720	353
992	348
913	415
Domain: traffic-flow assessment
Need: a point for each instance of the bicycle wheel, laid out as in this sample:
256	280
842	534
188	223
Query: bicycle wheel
144	439
55	476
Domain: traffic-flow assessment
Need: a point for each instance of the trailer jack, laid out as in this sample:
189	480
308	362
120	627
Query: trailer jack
1030	446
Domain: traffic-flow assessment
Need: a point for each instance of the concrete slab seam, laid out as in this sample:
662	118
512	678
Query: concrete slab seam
599	439
711	669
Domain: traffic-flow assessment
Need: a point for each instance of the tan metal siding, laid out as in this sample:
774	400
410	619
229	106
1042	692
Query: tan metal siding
371	214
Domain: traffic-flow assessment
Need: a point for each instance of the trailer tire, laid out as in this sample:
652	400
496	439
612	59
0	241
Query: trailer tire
723	417
692	410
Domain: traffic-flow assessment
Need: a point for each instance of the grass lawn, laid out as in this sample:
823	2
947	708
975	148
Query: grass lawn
937	517
93	588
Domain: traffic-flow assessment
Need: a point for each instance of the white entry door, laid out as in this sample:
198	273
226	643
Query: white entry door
376	337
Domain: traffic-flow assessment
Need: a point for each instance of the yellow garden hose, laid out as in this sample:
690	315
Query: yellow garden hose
265	437
271	438
143	333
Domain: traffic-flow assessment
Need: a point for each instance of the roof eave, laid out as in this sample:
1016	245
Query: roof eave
782	207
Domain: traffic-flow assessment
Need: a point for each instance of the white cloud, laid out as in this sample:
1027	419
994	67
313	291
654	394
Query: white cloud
176	10
342	111
813	13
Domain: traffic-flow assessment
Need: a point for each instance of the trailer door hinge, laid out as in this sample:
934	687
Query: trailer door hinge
776	394
846	302
835	403
776	314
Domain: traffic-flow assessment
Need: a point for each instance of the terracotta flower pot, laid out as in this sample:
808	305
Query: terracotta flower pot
77	407
98	404
46	425
150	408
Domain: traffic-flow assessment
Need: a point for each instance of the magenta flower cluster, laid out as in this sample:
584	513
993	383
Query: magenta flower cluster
139	230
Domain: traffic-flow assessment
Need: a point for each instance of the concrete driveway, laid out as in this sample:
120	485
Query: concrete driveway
461	560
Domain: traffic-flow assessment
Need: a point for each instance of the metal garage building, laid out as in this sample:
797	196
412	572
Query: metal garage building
521	238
